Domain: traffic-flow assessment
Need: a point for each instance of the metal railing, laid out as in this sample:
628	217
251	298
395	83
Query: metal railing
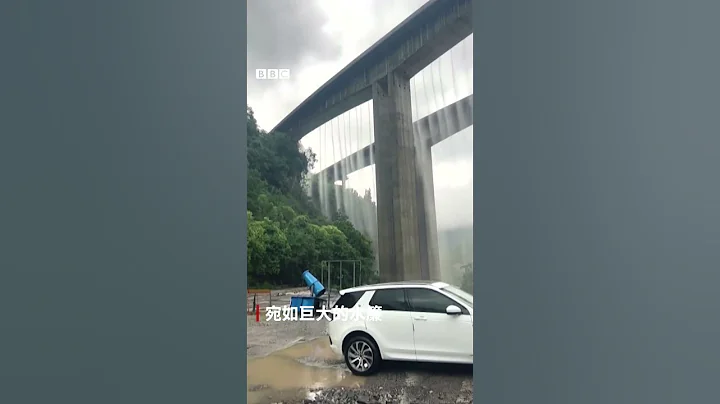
326	272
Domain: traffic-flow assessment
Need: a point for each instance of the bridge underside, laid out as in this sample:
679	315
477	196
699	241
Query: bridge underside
433	128
413	45
407	231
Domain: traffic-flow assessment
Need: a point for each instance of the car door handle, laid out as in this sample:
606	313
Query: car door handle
420	318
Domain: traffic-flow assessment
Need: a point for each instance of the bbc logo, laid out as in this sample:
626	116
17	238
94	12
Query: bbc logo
272	74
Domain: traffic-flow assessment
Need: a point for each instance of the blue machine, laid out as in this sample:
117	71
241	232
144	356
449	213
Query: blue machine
302	301
315	286
317	290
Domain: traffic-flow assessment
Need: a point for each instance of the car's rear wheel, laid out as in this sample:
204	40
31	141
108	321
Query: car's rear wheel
362	356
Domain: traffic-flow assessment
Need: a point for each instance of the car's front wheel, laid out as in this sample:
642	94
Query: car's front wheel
362	356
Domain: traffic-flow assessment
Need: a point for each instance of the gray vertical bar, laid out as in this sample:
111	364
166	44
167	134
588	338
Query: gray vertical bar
427	222
123	172
597	220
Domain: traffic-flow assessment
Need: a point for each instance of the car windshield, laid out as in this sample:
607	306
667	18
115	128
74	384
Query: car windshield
467	298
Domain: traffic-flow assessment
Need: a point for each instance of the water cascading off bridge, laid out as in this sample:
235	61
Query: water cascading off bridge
374	147
345	180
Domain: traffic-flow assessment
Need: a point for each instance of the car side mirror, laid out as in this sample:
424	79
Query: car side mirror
453	310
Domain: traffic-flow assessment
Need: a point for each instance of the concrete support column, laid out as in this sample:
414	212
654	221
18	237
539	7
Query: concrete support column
404	196
427	221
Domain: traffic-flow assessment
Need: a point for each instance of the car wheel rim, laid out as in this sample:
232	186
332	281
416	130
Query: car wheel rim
360	356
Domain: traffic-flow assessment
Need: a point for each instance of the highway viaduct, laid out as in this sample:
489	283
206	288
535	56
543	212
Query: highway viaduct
407	229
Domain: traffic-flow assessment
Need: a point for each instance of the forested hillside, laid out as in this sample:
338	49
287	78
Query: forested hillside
287	234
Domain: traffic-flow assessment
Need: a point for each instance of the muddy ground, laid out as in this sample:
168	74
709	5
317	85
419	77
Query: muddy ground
291	363
265	337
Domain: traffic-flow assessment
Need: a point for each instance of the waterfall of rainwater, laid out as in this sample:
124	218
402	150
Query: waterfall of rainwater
346	172
434	88
346	175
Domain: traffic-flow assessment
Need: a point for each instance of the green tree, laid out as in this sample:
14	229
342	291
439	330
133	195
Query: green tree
287	232
267	249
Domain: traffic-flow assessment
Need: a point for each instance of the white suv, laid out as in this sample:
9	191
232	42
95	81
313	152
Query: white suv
419	321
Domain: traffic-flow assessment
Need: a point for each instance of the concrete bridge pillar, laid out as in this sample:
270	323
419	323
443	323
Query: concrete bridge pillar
407	231
426	219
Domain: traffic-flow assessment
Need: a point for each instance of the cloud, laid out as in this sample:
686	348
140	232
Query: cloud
285	34
282	33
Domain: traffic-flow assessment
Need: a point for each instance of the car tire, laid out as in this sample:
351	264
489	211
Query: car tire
362	356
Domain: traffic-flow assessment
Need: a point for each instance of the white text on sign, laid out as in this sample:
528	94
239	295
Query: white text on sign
307	313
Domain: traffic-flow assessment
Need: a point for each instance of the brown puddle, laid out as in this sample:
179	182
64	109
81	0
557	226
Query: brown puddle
292	372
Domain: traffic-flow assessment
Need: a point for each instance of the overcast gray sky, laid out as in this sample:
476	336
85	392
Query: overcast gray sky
317	38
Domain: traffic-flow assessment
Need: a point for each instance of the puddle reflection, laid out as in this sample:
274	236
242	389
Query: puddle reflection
292	372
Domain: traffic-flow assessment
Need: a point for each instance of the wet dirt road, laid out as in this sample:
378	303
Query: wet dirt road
309	372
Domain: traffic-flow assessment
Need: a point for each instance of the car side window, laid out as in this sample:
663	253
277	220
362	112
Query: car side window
390	300
430	301
348	300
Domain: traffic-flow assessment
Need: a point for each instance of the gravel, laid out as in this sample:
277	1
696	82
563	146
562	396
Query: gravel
377	394
400	383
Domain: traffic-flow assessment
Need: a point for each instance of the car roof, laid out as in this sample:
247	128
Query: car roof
396	285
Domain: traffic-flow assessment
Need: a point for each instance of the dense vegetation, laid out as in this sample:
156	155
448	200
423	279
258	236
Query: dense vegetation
287	234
